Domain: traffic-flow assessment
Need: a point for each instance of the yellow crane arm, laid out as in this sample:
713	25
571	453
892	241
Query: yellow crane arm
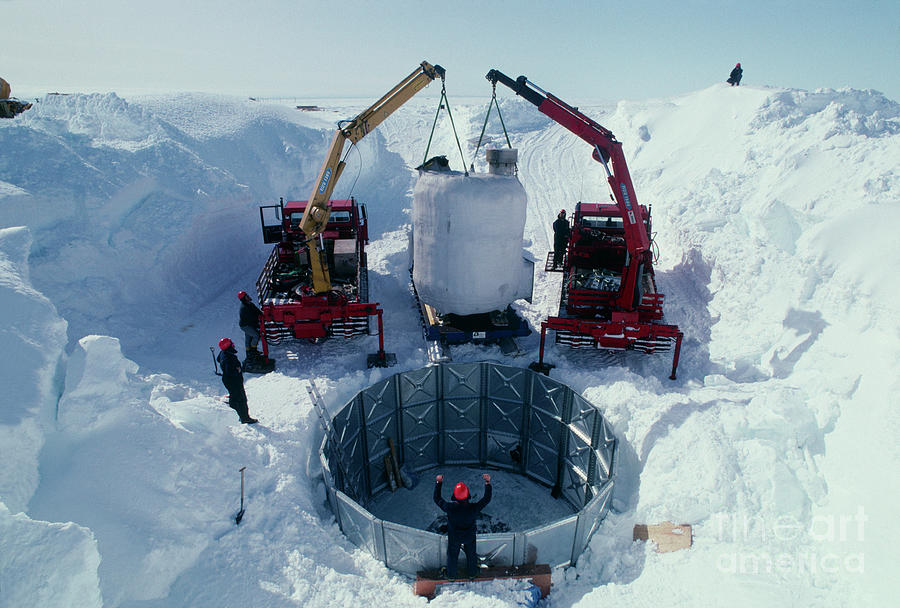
315	217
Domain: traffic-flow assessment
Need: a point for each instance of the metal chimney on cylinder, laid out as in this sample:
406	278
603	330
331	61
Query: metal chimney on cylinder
503	161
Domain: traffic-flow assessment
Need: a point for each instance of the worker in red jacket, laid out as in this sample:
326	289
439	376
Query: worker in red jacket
461	516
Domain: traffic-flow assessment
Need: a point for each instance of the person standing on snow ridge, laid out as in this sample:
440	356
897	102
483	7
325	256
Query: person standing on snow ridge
233	379
249	324
461	515
735	77
560	238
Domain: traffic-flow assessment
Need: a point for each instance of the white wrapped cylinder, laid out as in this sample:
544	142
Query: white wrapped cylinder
467	241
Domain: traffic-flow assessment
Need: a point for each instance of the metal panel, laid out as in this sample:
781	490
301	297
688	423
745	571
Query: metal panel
499	446
590	518
461	380
603	465
379	429
551	544
420	419
461	414
461	447
496	549
351	450
377	434
547	394
544	429
507	383
578	452
377	473
605	451
357	524
418	386
410	550
583	418
421	452
328	477
346	422
607	434
380	399
542	463
504	416
574	485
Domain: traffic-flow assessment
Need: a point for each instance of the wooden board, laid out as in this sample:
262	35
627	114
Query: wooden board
430	315
667	536
395	467
427	581
389	472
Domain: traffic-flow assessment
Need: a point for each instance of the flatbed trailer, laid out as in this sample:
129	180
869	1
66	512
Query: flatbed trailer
443	331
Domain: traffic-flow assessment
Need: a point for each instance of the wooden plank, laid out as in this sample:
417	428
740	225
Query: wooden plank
667	536
389	472
394	466
430	315
428	581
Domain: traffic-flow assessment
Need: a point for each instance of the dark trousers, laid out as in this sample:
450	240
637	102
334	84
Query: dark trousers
559	254
237	398
468	545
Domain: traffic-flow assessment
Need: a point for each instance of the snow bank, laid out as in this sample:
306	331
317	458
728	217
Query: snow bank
33	337
133	217
47	564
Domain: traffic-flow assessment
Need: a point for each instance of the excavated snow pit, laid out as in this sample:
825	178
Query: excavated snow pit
550	453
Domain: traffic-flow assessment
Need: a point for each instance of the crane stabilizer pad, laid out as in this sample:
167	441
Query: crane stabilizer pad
381	359
259	366
541	368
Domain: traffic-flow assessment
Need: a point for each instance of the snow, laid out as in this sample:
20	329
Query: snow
127	226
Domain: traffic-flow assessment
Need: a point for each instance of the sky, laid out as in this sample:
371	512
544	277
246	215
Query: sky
579	49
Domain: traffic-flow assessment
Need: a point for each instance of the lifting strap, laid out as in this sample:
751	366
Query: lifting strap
445	102
492	102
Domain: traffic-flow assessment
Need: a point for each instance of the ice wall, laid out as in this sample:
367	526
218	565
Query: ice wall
41	563
32	338
47	564
467	241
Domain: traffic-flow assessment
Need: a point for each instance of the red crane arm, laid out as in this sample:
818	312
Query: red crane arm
607	150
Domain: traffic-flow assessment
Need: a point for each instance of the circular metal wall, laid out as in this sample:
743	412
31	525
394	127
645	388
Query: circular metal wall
483	415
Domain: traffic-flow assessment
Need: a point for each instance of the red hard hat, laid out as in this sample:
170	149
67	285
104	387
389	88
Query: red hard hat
225	343
460	492
562	212
738	65
242	295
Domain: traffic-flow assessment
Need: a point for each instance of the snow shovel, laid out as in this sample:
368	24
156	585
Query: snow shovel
240	514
